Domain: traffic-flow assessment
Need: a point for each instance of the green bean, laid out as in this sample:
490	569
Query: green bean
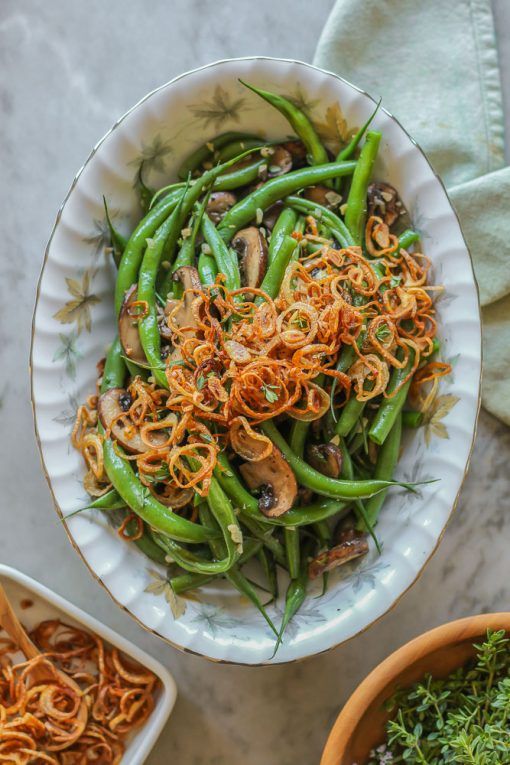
348	151
114	371
412	419
265	535
272	281
295	596
407	238
186	255
317	154
133	253
351	413
357	199
305	515
298	433
251	548
240	177
234	179
225	550
145	543
345	361
292	549
141	501
268	564
109	501
283	227
117	240
172	187
226	260
324	535
234	148
390	408
234	576
184	582
148	328
207	269
207	150
277	188
359	507
336	224
385	466
191	580
321	484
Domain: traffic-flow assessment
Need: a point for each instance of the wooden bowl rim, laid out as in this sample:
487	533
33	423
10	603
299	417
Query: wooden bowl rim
454	632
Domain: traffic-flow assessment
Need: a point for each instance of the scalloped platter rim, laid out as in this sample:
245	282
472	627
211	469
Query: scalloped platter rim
73	324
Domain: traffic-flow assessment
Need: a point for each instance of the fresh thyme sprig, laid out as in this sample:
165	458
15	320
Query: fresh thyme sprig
464	718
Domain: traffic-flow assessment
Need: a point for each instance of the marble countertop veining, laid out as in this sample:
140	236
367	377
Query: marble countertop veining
68	69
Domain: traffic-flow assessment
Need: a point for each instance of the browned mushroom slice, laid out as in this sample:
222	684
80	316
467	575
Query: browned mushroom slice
276	481
297	151
183	316
321	195
190	280
128	328
352	544
326	458
271	215
110	406
384	201
252	250
173	496
280	161
218	204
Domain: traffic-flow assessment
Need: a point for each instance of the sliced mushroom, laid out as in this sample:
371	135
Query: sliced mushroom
128	328
218	204
251	247
280	161
297	151
183	316
326	458
173	496
110	406
190	280
353	544
321	195
276	481
271	215
383	200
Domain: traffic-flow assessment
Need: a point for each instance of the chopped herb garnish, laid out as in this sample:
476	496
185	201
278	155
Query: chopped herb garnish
269	393
383	332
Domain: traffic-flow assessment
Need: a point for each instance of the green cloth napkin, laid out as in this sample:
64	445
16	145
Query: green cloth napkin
435	64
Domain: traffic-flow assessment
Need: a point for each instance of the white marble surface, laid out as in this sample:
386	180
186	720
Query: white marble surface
67	70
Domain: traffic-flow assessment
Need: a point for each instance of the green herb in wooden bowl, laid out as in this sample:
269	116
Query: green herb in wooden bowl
463	718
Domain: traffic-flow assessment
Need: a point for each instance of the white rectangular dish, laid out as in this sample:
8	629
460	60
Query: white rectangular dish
45	604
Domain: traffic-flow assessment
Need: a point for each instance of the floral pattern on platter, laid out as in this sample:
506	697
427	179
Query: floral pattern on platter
72	336
78	309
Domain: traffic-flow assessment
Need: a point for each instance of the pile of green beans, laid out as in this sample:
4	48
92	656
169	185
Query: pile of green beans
180	229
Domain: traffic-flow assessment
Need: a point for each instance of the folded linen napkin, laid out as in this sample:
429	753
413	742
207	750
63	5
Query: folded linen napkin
435	65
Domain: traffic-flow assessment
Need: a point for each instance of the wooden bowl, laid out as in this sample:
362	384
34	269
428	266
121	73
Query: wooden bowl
360	726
